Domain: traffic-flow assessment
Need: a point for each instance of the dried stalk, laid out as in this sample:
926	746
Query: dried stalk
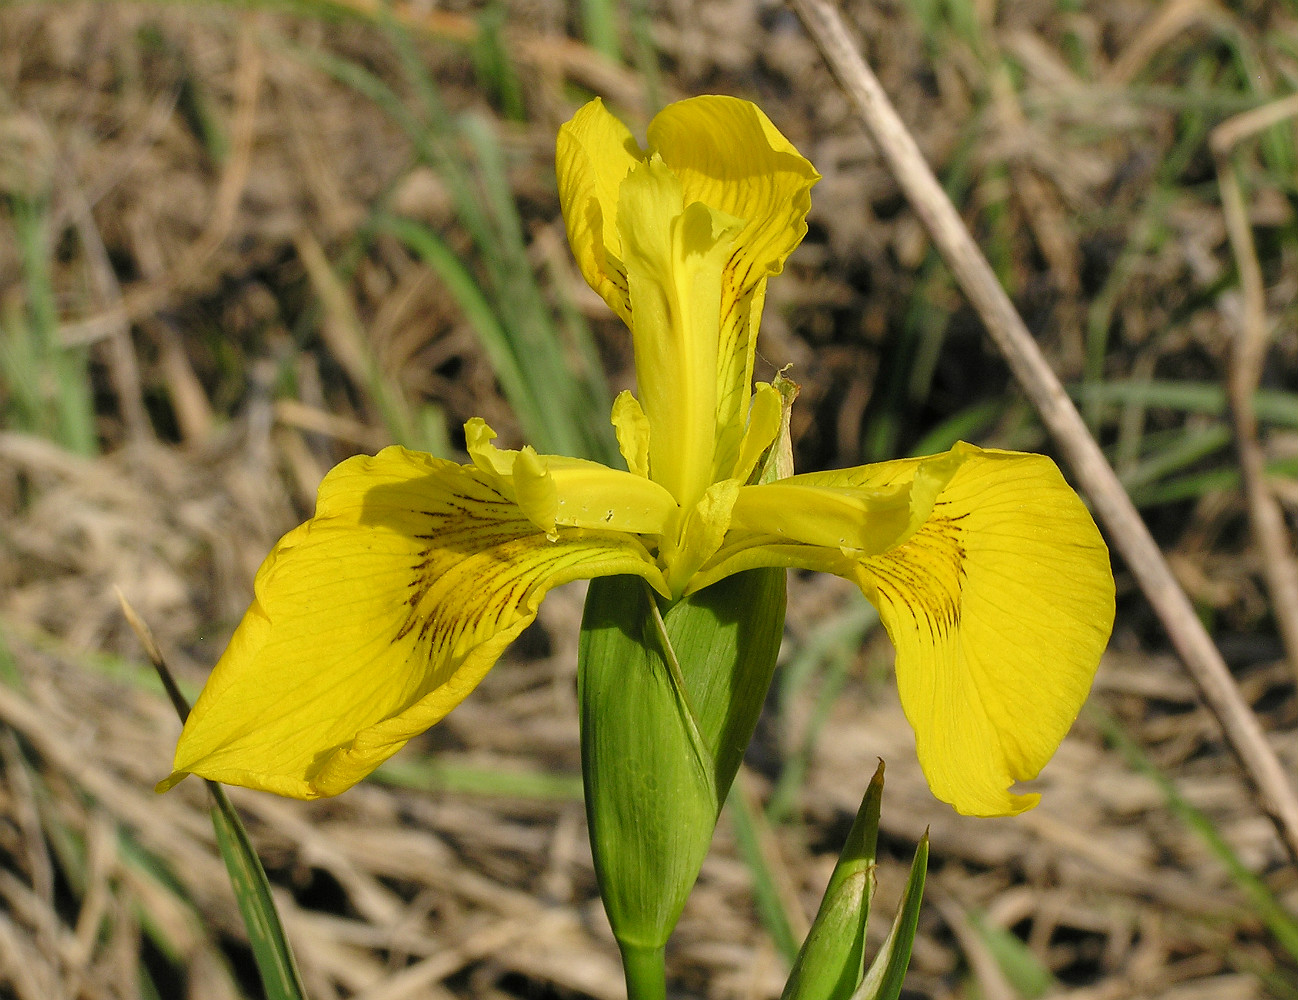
1248	352
1113	507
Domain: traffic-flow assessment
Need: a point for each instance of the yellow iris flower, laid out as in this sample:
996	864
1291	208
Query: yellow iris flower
379	615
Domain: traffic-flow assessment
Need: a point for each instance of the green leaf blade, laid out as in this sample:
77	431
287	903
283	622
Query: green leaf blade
888	972
270	948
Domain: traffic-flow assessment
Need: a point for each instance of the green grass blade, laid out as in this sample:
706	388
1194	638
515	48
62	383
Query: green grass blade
747	822
270	947
493	336
421	135
1104	304
435	136
832	646
9	674
1023	970
1197	484
645	54
966	425
1181	449
148	989
497	197
905	377
553	382
49	383
599	26
1273	406
495	68
831	962
570	394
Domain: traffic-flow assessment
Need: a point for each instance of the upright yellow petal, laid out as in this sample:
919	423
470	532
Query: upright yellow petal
729	156
999	601
766	416
376	618
674	254
698	535
725	155
632	427
593	155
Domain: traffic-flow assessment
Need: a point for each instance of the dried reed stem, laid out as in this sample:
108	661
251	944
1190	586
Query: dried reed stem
1248	352
1114	508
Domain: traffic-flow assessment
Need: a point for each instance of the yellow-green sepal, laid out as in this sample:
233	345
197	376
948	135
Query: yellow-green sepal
669	697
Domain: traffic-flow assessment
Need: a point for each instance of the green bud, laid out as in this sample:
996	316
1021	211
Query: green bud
669	697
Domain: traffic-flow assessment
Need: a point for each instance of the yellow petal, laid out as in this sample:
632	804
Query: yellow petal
777	463
594	496
536	493
701	532
729	156
376	618
999	605
724	154
766	416
674	253
478	438
868	521
632	428
836	512
554	490
594	153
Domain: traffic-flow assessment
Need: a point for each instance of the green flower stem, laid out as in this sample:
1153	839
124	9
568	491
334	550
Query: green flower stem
646	971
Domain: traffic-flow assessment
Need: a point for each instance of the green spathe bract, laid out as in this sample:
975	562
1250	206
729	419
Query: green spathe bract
669	697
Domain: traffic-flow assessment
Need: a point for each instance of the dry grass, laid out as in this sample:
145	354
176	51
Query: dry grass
206	192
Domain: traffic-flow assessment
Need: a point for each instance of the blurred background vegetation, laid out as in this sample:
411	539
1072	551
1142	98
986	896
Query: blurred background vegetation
240	242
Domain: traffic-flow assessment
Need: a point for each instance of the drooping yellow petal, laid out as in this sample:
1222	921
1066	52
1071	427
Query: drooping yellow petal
999	604
593	155
830	520
376	618
729	156
999	607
